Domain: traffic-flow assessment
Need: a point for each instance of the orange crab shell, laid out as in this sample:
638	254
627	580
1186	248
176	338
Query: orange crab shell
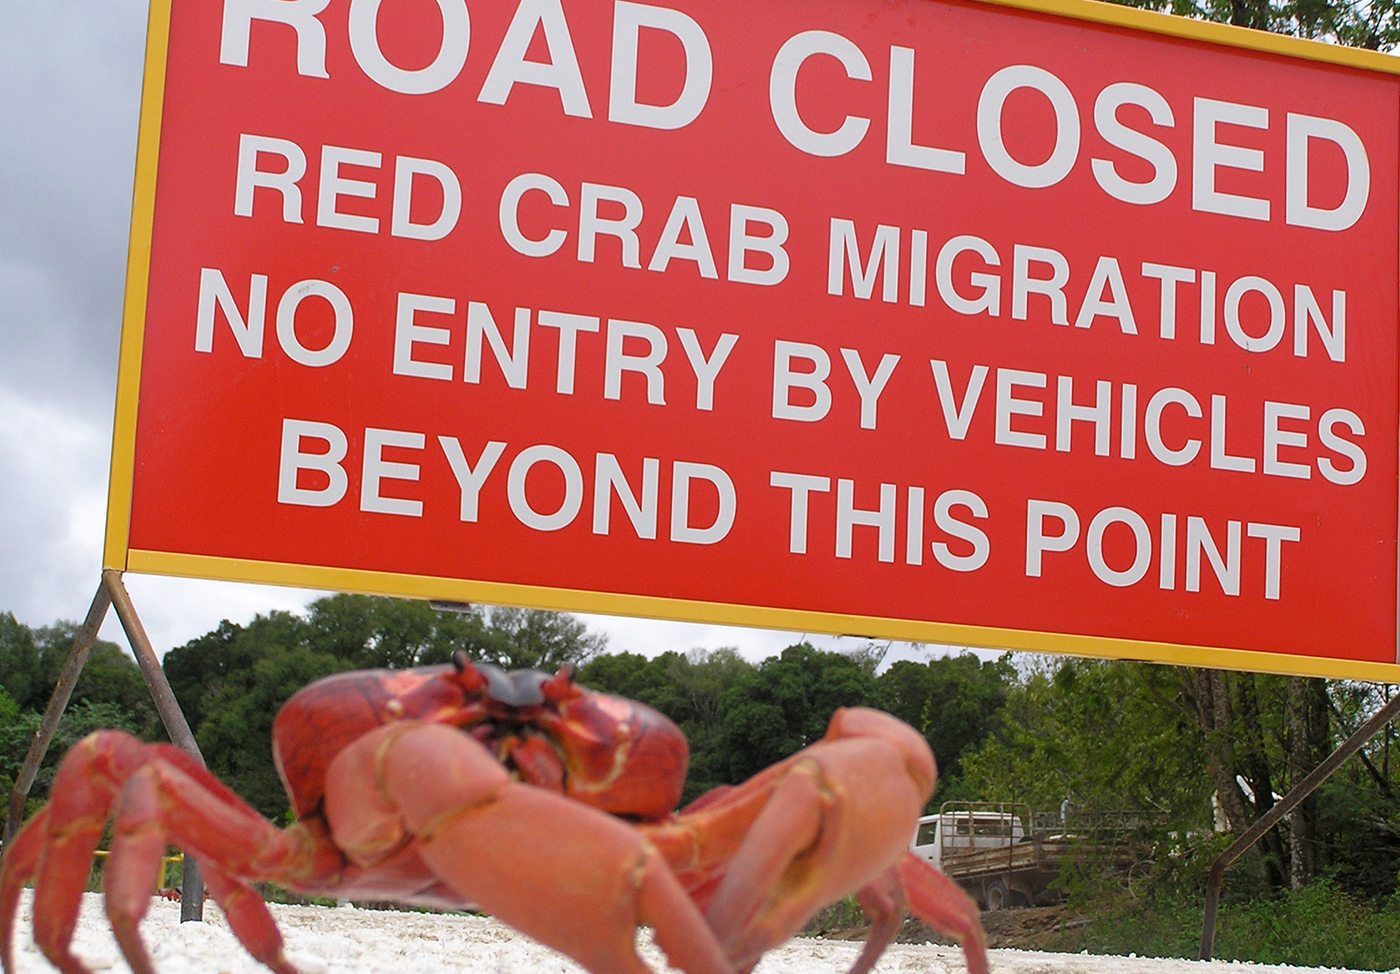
614	754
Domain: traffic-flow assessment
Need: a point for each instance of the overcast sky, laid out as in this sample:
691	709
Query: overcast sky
70	81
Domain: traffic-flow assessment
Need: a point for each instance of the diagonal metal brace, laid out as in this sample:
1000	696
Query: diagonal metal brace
192	888
58	702
1286	804
111	593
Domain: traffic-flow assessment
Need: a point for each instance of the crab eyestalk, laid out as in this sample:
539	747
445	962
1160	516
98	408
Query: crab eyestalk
561	687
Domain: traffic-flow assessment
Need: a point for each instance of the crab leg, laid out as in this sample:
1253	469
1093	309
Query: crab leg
83	794
929	895
157	795
249	919
133	867
884	904
773	883
19	865
942	904
138	843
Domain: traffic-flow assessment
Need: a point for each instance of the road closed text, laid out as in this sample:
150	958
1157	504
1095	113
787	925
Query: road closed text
1221	167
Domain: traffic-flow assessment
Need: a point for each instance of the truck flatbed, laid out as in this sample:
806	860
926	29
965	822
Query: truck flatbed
998	853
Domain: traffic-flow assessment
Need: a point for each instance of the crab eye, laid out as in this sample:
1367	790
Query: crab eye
468	677
560	686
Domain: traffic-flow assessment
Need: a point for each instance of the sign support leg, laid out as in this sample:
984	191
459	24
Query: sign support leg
111	593
192	888
48	724
1295	796
166	705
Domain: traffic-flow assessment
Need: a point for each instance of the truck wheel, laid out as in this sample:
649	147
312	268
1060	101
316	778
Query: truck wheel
995	894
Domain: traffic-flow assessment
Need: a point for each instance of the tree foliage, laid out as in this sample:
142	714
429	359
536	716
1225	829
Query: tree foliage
532	639
1199	749
232	681
739	717
1370	24
110	692
32	659
1104	735
784	704
954	701
1207	752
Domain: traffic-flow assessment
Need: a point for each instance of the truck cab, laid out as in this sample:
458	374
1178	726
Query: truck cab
985	848
960	826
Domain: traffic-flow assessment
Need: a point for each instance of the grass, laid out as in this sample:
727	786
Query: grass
1319	926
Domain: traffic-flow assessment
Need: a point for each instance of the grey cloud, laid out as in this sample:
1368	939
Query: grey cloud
71	74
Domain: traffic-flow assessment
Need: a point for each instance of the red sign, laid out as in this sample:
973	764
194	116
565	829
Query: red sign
927	319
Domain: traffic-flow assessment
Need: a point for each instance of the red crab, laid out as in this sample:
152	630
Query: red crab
545	804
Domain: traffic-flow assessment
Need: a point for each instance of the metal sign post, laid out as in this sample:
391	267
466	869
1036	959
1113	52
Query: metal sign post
1273	816
111	593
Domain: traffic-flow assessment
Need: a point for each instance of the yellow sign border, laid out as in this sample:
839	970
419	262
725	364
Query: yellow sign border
118	555
752	616
138	269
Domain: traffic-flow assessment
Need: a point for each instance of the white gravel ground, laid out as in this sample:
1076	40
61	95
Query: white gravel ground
345	940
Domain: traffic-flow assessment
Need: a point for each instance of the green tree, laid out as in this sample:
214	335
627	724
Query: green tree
236	736
19	664
784	704
79	720
1108	736
12	745
1359	807
369	632
697	683
1373	24
110	675
1261	735
110	692
630	675
534	639
954	701
218	666
231	682
31	661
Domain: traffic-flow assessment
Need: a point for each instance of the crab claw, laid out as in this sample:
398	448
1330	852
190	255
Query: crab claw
831	821
445	798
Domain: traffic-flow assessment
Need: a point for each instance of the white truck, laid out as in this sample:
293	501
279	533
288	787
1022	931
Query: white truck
996	852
